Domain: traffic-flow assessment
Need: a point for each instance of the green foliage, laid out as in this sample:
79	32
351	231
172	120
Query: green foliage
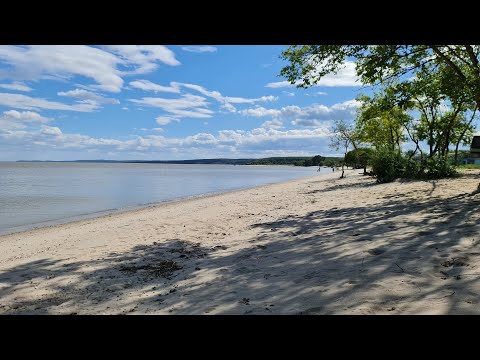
438	167
299	161
439	84
343	135
317	160
329	163
387	165
468	166
380	121
359	158
380	64
413	168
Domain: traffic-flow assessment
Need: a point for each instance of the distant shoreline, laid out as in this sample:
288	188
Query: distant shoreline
279	160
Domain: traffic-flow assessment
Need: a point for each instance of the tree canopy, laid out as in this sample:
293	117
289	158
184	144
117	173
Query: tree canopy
428	94
381	64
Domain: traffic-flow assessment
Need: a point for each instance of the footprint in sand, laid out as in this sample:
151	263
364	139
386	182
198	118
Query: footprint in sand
312	311
376	251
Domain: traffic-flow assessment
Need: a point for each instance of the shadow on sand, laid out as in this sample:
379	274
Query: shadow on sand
296	265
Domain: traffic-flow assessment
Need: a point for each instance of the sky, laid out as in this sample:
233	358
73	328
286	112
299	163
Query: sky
154	102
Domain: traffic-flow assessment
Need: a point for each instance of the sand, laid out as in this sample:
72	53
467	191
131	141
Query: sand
318	245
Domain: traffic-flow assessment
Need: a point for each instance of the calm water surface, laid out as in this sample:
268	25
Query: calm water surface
32	194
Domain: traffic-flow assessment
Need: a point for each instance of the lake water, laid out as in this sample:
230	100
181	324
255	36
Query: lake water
36	194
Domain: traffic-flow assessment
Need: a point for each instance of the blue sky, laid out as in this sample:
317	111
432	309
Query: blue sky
163	102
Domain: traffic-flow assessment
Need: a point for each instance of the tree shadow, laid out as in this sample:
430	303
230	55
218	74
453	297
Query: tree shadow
359	185
408	257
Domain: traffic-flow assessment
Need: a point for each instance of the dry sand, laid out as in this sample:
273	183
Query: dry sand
318	245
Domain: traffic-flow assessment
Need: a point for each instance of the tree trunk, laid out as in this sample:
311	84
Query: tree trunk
463	134
456	153
343	162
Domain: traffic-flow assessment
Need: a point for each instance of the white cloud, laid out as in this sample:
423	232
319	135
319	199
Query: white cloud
349	105
88	96
272	124
143	57
226	99
159	130
28	116
18	86
199	139
229	108
50	130
260	111
288	93
186	106
150	86
199	49
306	123
164	120
20	101
346	76
62	62
310	115
268	139
189	105
194	113
321	93
13	119
239	100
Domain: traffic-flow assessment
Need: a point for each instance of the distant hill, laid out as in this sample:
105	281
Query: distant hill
288	160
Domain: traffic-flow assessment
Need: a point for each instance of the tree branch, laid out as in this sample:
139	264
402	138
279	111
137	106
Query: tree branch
473	57
449	62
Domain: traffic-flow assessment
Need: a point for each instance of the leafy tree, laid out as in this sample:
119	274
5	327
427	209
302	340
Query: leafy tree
317	160
380	121
329	163
344	135
359	158
465	135
440	82
380	64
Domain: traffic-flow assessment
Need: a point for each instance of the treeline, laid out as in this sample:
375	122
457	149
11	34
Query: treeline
316	160
287	160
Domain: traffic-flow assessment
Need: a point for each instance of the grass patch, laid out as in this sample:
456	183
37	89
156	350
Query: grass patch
468	166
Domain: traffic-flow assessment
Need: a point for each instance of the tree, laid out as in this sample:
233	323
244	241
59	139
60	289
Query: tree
317	160
377	64
445	85
380	121
343	136
359	158
466	134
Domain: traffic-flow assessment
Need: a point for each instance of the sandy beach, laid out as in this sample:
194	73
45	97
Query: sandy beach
318	245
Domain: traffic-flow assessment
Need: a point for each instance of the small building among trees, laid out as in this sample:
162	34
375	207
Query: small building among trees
474	156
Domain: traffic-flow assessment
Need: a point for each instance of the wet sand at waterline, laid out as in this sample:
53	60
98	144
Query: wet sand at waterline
318	245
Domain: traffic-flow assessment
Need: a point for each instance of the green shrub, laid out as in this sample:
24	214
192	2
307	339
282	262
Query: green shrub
387	165
358	158
439	168
412	168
